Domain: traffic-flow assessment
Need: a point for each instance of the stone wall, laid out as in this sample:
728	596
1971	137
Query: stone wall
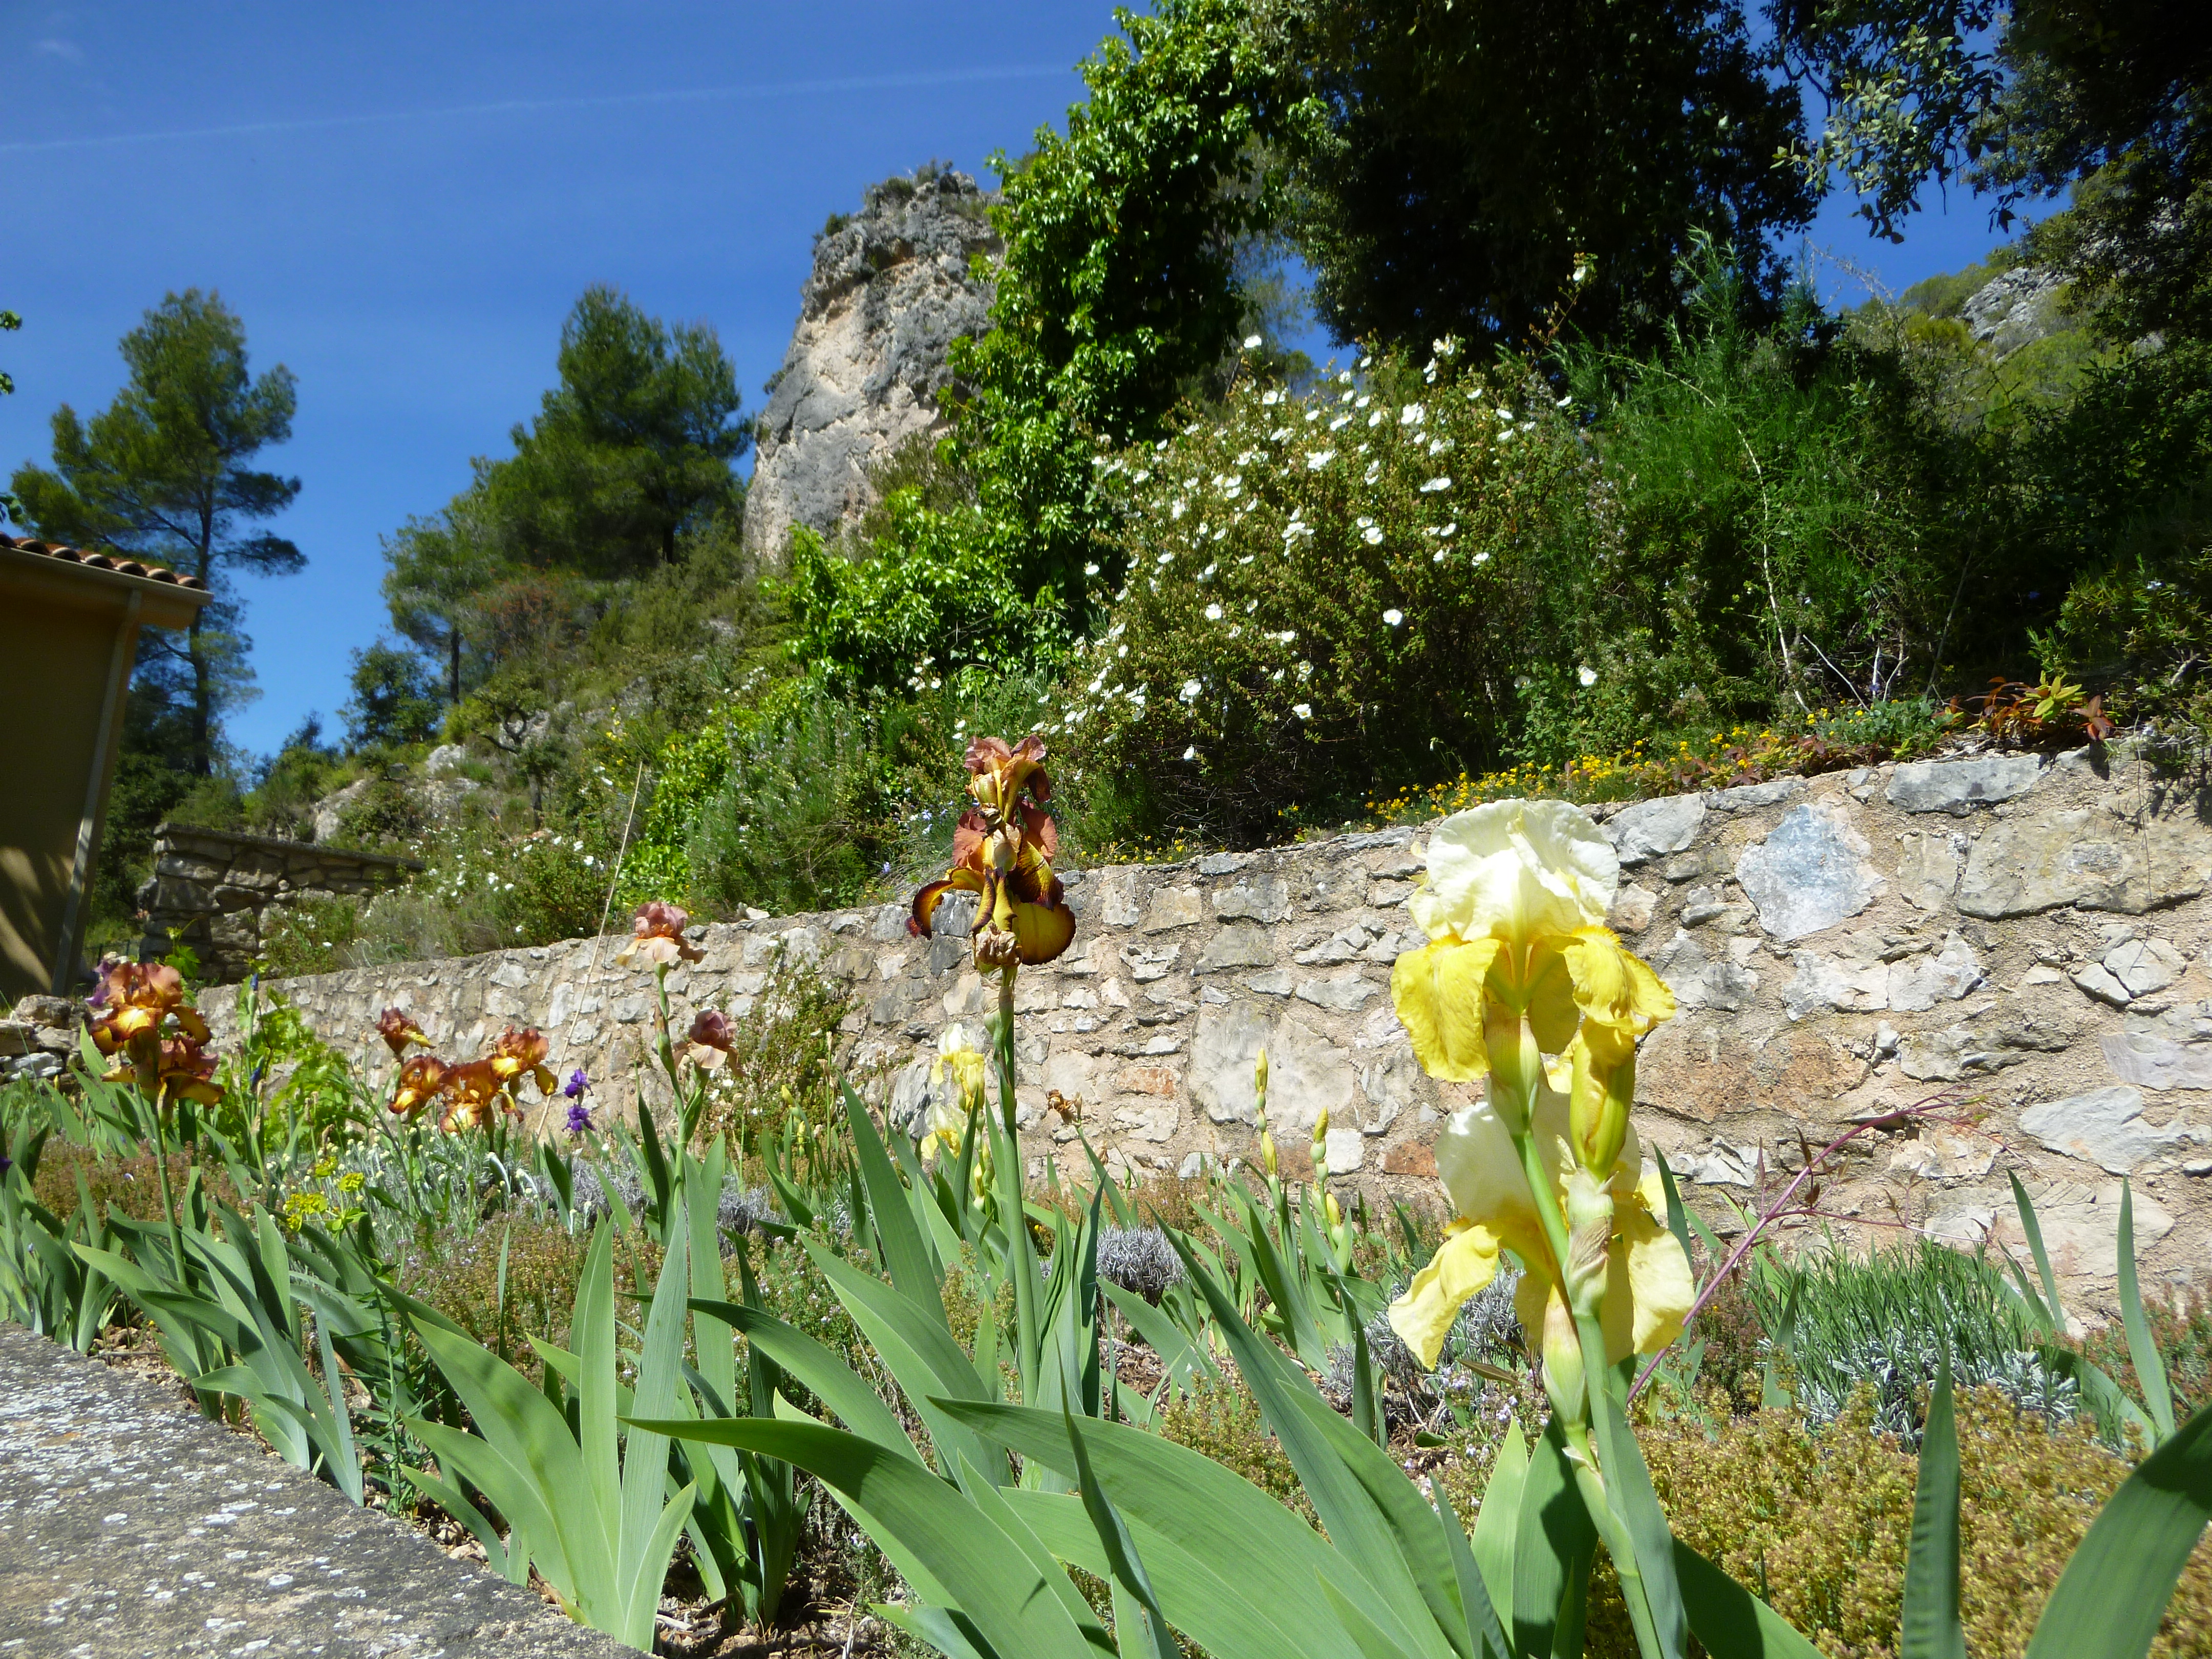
2028	934
212	885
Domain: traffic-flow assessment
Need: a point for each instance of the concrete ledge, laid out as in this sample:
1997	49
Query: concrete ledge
131	1525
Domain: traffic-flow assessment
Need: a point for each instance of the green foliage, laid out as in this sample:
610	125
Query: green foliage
1882	1324
505	1285
1777	542
1116	298
395	700
1452	166
2111	105
162	473
1299	567
624	475
631	448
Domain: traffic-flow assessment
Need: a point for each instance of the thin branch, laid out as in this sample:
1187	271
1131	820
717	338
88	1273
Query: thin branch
1925	1110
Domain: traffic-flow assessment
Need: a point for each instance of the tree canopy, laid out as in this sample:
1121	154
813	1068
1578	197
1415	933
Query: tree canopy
1452	164
162	473
633	444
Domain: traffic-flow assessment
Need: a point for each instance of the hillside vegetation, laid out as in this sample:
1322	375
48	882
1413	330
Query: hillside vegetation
1607	513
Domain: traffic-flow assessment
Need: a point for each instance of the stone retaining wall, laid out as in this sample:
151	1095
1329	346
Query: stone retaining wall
2027	933
211	885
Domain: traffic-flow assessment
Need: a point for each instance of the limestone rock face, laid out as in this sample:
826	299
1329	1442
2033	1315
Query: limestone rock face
890	290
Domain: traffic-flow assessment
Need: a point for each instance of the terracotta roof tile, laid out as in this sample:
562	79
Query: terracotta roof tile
101	561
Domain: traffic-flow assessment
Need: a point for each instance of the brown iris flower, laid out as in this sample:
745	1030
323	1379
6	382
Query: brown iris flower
1002	849
181	1070
518	1054
710	1039
399	1030
657	936
474	1093
421	1079
133	1000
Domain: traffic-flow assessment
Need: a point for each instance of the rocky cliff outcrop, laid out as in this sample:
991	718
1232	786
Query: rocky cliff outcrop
892	287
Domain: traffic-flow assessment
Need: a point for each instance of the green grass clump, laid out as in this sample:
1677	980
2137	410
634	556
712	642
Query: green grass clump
1882	1323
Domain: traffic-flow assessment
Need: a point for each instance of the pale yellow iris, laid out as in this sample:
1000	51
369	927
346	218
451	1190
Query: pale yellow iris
956	1092
1648	1290
1522	979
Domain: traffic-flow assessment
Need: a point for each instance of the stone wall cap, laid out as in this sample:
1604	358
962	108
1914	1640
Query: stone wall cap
200	838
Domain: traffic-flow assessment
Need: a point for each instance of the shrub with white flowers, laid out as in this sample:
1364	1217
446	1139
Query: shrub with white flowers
1327	590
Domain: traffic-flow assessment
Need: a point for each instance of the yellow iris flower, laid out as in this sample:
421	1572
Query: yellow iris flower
955	1090
1519	963
1648	1288
1522	981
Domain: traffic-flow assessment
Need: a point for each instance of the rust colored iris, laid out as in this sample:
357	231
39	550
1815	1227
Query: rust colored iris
400	1032
422	1079
520	1054
657	937
474	1093
1002	850
133	1000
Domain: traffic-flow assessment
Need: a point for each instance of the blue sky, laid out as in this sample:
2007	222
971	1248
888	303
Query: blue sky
402	201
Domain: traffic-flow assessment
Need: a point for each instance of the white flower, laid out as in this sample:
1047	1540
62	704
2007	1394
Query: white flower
1302	710
1565	401
1305	672
1412	415
1178	507
1344	376
1318	458
1140	475
1190	690
1366	361
1393	615
1434	485
1376	419
1373	535
1587	675
1482	558
1213	613
1251	343
1089	570
1288	636
1362	401
1191	753
1313	415
1362	520
1339	422
1271	398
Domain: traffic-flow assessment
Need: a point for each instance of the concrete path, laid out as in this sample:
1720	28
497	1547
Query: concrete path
131	1525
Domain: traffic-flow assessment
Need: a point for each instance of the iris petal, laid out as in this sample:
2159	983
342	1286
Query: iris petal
1438	992
1463	1265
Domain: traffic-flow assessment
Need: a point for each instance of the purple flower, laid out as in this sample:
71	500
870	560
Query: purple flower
579	1116
577	1086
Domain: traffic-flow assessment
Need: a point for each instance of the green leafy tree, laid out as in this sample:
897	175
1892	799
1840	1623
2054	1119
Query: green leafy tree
162	473
2114	104
633	446
2107	102
1117	297
437	570
1453	163
395	700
